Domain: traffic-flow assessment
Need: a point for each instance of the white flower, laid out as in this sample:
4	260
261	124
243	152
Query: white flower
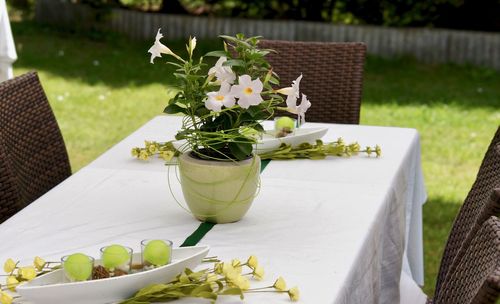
292	93
221	98
159	48
223	73
248	91
302	108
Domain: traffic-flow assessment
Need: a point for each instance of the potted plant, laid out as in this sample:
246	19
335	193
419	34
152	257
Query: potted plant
223	109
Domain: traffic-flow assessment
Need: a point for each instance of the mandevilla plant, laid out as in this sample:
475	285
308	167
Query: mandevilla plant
224	107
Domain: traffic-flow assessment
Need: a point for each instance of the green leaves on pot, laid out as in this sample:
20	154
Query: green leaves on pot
241	148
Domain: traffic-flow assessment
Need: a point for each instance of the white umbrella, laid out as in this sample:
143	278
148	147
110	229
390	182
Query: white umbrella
7	49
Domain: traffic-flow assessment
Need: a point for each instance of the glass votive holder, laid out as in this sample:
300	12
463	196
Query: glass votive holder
284	126
117	260
77	267
156	253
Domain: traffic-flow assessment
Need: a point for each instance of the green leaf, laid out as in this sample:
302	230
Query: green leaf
232	292
258	127
202	111
274	80
203	288
207	295
184	278
216	54
241	149
235	40
174	109
234	62
181	135
151	289
195	276
179	75
176	65
219	285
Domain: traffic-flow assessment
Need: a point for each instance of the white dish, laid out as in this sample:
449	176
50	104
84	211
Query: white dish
301	135
50	288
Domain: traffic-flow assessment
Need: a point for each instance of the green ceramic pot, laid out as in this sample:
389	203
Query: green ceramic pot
219	191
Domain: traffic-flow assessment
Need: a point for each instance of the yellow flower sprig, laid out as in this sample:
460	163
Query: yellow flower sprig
165	151
320	150
224	278
16	275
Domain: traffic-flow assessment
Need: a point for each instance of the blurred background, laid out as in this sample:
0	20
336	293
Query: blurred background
433	65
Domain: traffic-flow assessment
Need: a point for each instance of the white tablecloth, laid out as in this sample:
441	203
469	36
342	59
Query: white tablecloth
7	49
335	227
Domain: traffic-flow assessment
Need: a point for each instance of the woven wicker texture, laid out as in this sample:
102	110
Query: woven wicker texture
33	157
476	279
477	208
332	76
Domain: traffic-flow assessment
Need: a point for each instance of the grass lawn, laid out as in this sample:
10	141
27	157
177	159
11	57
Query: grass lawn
103	88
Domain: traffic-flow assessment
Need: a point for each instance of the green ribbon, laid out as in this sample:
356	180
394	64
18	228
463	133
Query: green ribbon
205	227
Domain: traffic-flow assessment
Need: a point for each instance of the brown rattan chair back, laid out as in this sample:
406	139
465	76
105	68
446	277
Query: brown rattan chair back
477	207
476	278
33	157
332	76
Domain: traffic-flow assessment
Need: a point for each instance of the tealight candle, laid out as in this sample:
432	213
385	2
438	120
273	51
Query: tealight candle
117	259
284	126
156	252
77	267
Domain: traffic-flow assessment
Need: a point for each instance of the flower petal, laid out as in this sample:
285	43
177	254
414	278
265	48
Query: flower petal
245	80
229	101
257	85
286	91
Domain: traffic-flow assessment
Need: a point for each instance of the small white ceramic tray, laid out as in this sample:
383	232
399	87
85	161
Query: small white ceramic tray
301	135
50	288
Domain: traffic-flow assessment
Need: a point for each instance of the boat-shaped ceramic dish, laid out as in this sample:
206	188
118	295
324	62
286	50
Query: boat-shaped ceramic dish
270	142
51	288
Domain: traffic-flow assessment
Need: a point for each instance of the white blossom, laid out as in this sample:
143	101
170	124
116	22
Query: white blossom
222	73
247	91
292	93
223	97
159	48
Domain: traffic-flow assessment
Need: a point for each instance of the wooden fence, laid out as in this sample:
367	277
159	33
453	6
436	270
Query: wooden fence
427	45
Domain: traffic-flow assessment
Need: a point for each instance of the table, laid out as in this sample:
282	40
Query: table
7	49
338	228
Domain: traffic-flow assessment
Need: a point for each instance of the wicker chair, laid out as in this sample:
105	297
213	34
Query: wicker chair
476	278
332	76
33	157
477	207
